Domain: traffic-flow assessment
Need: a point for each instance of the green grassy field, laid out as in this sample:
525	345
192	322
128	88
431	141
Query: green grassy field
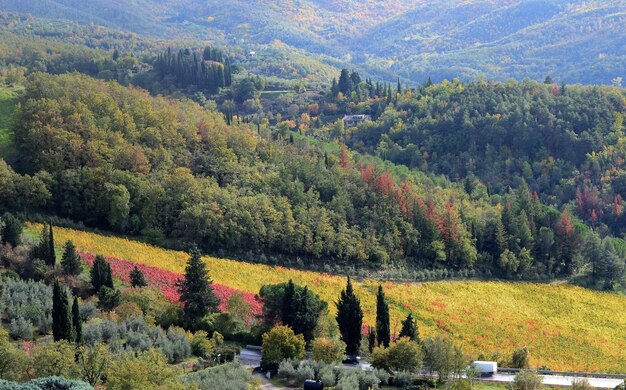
8	100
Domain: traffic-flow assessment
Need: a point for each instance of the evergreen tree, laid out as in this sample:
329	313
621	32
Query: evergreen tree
350	319
399	88
289	296
345	83
305	318
101	274
11	232
52	258
383	330
334	89
77	323
137	279
429	82
61	317
196	292
409	328
371	338
70	262
42	250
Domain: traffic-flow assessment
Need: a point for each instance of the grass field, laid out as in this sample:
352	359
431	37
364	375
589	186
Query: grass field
565	327
8	99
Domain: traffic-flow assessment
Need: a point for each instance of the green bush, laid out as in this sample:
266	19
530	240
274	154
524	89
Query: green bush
229	376
48	383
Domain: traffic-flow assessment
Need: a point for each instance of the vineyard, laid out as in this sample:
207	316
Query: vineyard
565	327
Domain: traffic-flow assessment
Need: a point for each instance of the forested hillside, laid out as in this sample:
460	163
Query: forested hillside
117	159
574	40
565	142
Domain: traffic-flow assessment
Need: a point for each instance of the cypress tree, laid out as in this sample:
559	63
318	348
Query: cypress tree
70	262
382	319
350	319
399	88
305	315
409	328
76	322
288	305
371	338
61	317
196	292
137	279
52	258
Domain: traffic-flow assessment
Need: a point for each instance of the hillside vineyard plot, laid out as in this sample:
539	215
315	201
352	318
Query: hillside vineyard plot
565	327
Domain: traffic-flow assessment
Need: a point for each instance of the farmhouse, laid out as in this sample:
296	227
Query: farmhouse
353	120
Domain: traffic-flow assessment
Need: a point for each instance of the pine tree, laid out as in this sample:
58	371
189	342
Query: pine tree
137	279
383	329
350	319
70	262
288	304
77	323
196	292
61	317
409	328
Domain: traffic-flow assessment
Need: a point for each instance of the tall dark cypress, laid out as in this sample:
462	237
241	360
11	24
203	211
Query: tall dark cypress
350	319
371	338
305	315
196	292
289	296
77	323
382	319
61	317
52	258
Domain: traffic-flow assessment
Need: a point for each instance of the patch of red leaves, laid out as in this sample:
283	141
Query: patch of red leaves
165	281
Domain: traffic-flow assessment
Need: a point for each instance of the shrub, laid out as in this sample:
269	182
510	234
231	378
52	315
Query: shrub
88	310
304	372
328	350
48	383
279	344
402	355
229	376
145	370
286	370
29	300
21	328
348	382
54	359
527	380
201	345
443	357
581	384
403	379
328	377
521	358
382	375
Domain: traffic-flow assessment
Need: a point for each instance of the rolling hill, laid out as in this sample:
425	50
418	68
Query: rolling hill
572	40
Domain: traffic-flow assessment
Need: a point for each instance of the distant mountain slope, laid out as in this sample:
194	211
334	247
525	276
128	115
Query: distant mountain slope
573	40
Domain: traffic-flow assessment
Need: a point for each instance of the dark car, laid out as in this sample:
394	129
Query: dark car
351	360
